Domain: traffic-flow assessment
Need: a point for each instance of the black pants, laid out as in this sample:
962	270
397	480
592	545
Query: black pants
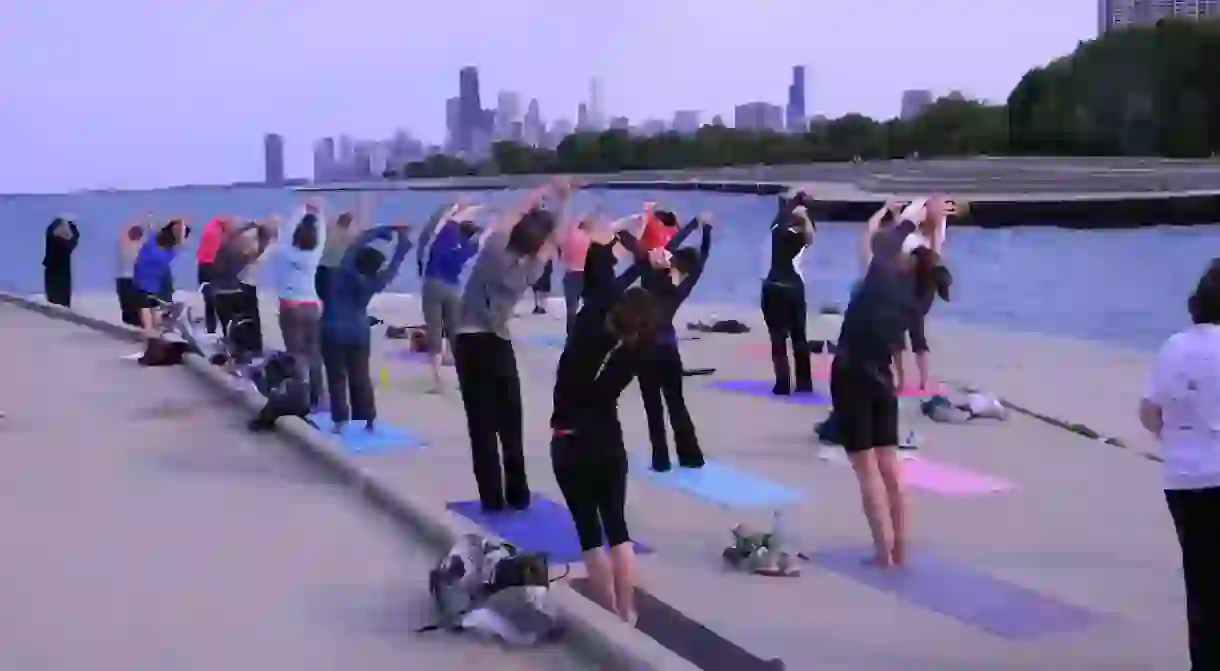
661	388
865	403
593	481
784	311
347	373
239	320
251	311
321	281
166	293
57	285
1196	517
209	302
491	392
130	301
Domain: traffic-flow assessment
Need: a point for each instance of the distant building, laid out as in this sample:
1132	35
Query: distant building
1113	14
471	116
559	130
597	106
914	102
453	123
508	112
718	121
273	159
651	127
324	160
759	117
620	123
582	119
687	122
795	111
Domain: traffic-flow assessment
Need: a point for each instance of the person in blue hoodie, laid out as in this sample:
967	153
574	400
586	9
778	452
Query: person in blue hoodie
346	338
450	243
295	267
154	265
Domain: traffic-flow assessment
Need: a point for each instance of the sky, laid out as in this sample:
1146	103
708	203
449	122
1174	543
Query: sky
149	93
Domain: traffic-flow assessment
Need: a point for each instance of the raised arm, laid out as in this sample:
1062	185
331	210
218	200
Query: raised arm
637	268
682	234
348	262
439	218
705	247
387	274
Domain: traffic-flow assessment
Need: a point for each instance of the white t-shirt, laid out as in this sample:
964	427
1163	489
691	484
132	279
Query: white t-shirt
1185	383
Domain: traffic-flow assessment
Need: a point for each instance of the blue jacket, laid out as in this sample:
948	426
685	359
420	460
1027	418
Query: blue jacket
152	266
449	252
345	308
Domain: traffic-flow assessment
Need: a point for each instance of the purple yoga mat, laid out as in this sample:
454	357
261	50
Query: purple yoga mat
545	526
762	388
409	355
970	597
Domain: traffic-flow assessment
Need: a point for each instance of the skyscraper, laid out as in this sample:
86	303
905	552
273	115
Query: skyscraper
759	117
914	102
453	123
273	159
686	122
796	101
508	112
1121	13
534	128
597	110
324	160
470	107
582	119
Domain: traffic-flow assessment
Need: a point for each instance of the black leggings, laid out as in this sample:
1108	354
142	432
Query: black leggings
130	301
593	481
784	311
347	371
239	320
209	303
491	393
57	285
1195	513
661	388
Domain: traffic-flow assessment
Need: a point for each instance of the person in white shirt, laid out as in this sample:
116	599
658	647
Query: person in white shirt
1181	406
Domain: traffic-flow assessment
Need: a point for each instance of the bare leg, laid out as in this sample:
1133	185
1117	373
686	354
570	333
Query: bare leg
900	373
922	365
622	563
889	465
601	578
872	497
148	319
434	360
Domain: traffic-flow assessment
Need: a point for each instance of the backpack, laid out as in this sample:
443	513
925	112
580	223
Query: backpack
287	393
493	588
163	352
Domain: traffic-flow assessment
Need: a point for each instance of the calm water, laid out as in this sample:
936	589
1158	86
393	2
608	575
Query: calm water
1126	287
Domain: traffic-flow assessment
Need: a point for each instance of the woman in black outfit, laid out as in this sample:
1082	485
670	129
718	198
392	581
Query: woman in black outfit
783	296
661	381
604	352
62	236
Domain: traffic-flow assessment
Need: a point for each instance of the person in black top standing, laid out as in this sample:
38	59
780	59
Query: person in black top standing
783	296
603	353
862	385
672	276
62	236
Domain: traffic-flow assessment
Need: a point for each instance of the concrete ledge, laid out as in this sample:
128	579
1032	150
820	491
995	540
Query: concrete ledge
593	629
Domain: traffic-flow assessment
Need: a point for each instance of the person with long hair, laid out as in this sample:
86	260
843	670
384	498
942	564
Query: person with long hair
1181	407
131	239
154	263
445	247
62	237
510	259
209	243
346	332
237	313
573	248
295	265
340	233
606	348
783	304
674	272
862	386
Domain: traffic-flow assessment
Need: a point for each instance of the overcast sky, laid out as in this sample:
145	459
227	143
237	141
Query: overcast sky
147	93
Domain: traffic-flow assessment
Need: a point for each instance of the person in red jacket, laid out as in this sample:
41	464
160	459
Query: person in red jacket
209	244
660	226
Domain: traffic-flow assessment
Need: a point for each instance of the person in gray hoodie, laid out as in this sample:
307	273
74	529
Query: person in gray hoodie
510	259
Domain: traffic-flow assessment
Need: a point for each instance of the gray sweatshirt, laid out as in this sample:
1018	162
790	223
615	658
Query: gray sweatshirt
497	280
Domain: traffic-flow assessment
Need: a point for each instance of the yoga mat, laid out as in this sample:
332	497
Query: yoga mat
821	371
384	438
409	355
762	388
723	484
548	340
134	356
970	597
545	526
688	639
950	480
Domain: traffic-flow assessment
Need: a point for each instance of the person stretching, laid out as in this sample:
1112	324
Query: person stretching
339	235
783	303
295	267
445	247
130	300
671	280
209	243
862	383
154	263
929	236
511	257
62	237
237	316
346	334
603	353
573	247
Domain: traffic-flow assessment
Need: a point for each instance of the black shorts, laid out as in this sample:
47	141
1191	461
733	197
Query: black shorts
150	300
919	337
543	285
593	480
865	404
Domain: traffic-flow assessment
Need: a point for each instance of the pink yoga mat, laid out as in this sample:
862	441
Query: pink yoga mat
950	480
821	371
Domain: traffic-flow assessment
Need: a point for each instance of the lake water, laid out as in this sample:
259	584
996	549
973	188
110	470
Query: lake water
1125	287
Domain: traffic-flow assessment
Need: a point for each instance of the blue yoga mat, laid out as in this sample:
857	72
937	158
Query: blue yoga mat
970	597
762	389
545	526
384	438
409	355
723	484
548	340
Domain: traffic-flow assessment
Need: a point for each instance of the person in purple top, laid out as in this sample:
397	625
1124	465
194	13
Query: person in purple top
154	267
449	242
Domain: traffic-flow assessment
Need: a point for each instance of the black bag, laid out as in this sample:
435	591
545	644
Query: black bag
161	352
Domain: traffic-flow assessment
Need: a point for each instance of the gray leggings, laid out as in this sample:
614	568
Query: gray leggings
441	303
300	326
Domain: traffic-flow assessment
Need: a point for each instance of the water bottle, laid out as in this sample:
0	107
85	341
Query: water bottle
779	532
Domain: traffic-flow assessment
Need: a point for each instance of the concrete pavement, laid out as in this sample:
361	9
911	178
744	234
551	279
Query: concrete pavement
144	528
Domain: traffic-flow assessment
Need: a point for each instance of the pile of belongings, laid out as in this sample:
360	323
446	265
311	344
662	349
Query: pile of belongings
976	406
759	553
494	589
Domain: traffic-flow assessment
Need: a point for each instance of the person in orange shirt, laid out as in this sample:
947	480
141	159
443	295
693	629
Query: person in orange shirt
660	226
209	244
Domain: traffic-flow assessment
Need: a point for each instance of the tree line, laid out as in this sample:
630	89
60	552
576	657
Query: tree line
1144	91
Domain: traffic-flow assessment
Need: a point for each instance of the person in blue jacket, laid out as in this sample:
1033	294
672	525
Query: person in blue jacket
154	265
346	334
445	250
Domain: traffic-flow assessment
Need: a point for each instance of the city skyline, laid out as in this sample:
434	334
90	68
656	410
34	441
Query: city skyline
134	93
